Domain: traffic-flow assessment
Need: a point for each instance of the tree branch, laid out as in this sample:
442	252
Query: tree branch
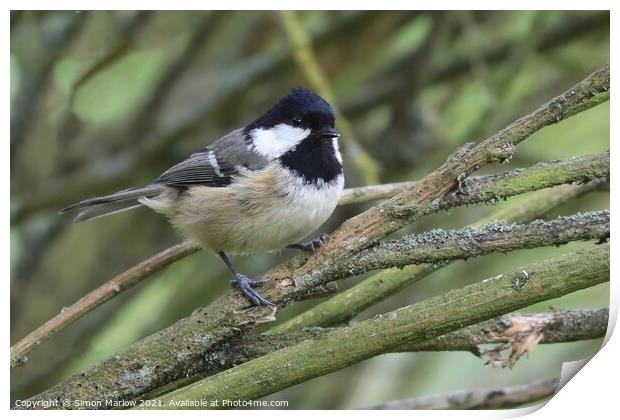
346	305
152	362
434	246
439	245
413	324
494	187
514	182
98	297
365	229
308	272
509	397
554	327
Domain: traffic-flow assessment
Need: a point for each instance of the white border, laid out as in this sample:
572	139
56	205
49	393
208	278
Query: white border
591	395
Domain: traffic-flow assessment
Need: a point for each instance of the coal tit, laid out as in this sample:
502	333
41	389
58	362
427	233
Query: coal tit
259	188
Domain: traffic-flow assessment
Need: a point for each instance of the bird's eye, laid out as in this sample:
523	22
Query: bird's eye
297	121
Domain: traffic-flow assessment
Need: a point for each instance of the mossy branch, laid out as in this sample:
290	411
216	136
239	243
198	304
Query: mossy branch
555	327
365	229
426	197
344	306
152	362
495	187
347	304
413	324
438	246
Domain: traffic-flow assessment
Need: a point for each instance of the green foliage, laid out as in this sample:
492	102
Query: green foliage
15	76
129	80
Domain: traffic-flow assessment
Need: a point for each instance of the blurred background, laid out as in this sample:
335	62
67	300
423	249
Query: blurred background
107	100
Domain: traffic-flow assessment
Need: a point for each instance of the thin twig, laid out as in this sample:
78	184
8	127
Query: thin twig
496	398
373	192
97	297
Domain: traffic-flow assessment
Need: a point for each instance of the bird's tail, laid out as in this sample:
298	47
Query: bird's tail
114	203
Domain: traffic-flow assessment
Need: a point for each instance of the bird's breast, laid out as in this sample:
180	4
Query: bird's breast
262	211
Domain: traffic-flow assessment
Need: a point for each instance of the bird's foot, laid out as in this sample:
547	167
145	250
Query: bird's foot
246	284
312	245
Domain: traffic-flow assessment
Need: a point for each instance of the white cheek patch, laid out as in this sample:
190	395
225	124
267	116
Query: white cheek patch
337	151
276	141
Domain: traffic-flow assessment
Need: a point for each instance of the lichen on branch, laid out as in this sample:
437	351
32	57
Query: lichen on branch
413	324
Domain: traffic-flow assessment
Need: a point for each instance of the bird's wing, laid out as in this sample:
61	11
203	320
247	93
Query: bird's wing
215	165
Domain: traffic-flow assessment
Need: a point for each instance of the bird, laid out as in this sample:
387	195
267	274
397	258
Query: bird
260	188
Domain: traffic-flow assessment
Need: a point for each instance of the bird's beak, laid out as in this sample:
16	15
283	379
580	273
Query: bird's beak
328	133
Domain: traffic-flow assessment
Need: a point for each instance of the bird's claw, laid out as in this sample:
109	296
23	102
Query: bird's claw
312	245
246	284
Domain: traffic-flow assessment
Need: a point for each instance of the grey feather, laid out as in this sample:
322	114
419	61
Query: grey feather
215	165
120	196
104	210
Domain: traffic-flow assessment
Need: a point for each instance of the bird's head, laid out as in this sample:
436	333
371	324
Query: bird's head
298	116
